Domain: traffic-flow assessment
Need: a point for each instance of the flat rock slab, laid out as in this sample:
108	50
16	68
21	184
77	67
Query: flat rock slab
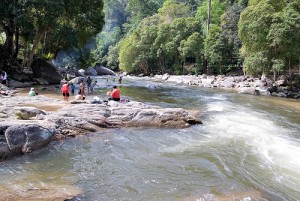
26	129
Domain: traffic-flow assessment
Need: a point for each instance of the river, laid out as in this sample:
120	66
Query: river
248	148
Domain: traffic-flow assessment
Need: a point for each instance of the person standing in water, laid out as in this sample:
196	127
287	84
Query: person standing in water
65	91
93	86
89	82
82	87
72	86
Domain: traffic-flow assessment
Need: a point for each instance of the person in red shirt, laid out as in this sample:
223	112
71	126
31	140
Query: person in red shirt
115	94
65	91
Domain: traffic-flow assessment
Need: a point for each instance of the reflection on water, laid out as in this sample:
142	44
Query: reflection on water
247	149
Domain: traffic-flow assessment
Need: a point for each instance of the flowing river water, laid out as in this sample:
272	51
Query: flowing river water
248	148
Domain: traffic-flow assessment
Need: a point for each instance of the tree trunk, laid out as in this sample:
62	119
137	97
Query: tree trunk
290	71
208	15
37	38
17	47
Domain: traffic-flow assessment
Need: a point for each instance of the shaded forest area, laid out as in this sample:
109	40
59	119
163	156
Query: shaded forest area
156	36
42	28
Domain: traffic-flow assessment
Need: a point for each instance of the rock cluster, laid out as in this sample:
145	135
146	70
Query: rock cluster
24	129
282	87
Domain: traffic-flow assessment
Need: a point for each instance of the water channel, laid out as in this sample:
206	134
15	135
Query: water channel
248	148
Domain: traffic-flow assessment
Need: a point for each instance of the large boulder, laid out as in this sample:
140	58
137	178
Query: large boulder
26	138
90	71
104	71
45	70
80	72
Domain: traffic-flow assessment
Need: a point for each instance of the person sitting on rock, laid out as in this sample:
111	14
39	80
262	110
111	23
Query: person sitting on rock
79	96
115	94
32	92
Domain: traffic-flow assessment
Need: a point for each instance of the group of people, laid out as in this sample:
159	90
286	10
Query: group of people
115	93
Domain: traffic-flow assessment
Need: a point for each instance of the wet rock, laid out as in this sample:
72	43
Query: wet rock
26	138
247	90
38	192
26	113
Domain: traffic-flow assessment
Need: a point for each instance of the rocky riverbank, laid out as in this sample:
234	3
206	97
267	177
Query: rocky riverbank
282	87
25	126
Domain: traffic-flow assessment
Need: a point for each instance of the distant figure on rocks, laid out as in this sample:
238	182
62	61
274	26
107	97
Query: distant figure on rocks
93	86
65	91
82	87
32	92
72	86
115	94
3	78
120	80
89	82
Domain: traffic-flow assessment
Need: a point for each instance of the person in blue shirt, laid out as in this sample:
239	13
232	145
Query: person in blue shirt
72	87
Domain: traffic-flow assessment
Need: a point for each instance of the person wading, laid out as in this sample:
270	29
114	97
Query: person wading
65	91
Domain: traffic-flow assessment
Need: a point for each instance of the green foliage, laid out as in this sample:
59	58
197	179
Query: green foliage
64	24
217	9
48	56
172	10
268	30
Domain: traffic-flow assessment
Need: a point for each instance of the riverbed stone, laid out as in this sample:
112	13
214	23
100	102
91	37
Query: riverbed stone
26	138
247	90
25	113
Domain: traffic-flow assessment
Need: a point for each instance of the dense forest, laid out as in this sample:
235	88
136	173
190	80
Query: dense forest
157	36
42	28
182	36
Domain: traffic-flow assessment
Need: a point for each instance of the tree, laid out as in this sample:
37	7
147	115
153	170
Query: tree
254	25
283	37
65	23
217	9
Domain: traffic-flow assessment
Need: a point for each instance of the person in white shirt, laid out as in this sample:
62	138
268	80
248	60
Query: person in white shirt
3	78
